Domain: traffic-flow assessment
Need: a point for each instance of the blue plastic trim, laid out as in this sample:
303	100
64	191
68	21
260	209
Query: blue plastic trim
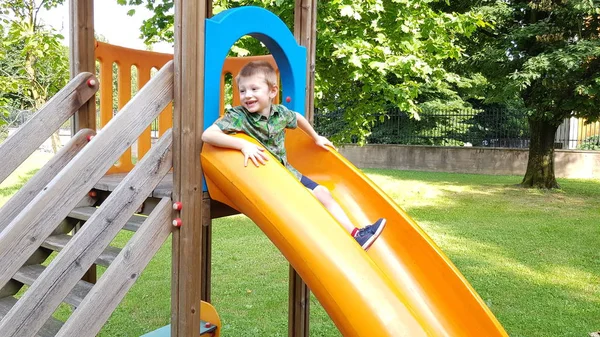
225	28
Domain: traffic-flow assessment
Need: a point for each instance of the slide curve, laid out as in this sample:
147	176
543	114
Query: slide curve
403	285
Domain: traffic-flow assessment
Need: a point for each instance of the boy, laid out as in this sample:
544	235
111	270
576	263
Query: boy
266	122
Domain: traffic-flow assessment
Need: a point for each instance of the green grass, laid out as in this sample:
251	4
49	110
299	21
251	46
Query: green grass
531	255
20	176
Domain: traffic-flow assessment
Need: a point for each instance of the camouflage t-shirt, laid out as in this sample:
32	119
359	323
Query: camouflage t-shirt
270	132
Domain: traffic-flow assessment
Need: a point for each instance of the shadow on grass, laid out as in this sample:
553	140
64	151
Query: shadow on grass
12	189
531	299
529	253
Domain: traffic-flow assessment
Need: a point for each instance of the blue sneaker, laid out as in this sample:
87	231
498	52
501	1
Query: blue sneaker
367	235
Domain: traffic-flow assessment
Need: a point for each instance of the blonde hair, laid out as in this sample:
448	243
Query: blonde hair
259	68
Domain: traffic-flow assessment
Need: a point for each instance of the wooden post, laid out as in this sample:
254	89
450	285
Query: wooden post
299	306
82	59
82	56
305	32
206	248
207	217
188	124
305	18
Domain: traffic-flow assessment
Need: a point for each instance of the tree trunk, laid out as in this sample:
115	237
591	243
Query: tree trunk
540	166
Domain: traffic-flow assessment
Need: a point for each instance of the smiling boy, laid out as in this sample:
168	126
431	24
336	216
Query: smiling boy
266	122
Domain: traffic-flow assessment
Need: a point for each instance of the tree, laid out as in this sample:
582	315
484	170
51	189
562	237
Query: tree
370	54
545	56
33	64
4	85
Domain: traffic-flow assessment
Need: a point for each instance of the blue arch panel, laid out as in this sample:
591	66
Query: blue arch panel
225	28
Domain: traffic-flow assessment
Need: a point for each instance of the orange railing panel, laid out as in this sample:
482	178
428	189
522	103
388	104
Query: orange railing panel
145	62
125	58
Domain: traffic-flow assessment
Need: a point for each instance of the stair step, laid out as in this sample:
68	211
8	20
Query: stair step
206	328
84	213
110	182
50	328
58	243
28	274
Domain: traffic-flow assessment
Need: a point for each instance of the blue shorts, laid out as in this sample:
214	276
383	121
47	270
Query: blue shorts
308	183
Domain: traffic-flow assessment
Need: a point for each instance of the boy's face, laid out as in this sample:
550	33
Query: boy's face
256	95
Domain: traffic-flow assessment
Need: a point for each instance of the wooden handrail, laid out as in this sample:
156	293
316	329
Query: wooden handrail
43	214
34	185
16	148
106	295
53	285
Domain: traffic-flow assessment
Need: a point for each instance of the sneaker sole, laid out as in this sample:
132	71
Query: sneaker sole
372	239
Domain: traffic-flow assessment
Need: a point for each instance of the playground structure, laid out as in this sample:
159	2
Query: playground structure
403	286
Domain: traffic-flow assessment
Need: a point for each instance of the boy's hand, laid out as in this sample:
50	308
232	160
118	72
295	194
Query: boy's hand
324	143
255	153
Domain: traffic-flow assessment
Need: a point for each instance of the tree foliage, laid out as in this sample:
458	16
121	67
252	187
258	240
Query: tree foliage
33	63
543	55
370	54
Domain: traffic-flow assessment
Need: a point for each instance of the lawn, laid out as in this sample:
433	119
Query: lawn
20	176
532	256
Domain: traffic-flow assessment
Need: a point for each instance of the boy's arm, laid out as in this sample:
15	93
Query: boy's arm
215	136
306	127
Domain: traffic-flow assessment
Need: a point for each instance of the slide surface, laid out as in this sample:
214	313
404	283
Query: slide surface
402	286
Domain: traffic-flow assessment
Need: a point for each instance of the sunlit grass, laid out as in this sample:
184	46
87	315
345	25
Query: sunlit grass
20	176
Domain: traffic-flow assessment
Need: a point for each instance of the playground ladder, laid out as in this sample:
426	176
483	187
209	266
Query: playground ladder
39	218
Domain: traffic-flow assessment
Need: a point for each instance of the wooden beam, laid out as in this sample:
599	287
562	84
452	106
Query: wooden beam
305	32
82	58
16	148
299	305
96	308
206	249
188	124
26	193
305	21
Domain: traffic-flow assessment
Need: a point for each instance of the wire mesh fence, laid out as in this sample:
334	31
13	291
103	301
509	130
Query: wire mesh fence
467	127
15	117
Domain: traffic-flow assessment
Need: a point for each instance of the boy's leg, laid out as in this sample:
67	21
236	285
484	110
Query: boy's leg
333	207
364	236
325	197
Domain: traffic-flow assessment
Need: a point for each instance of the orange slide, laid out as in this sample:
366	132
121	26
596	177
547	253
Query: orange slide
402	286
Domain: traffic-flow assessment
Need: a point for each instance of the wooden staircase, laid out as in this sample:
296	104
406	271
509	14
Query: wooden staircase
55	212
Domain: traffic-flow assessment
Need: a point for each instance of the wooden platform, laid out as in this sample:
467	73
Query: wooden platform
110	182
164	189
